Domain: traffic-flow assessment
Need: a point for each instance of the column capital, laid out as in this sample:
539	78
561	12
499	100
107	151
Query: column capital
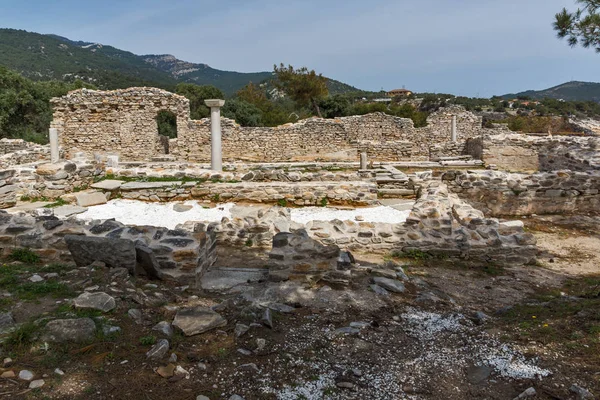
214	103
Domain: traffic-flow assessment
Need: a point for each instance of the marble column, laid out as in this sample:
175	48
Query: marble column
216	155
54	153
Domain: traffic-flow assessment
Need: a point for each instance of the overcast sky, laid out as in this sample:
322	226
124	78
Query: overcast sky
465	47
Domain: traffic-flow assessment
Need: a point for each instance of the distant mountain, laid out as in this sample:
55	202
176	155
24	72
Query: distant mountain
570	91
44	57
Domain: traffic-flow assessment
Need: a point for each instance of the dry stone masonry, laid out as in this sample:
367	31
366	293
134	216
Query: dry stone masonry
123	122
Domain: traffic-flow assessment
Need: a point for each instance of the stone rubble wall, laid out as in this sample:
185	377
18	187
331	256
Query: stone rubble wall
439	225
123	122
505	194
298	193
32	153
12	145
527	153
181	255
119	121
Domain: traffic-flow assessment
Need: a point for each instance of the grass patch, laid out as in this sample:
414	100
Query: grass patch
148	340
24	255
32	291
569	323
59	202
22	337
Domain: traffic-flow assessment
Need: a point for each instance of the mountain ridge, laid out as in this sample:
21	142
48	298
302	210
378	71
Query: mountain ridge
568	91
48	56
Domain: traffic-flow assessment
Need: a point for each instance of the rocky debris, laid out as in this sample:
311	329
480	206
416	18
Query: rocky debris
197	320
95	301
90	199
26	375
201	397
267	318
530	392
236	397
110	329
391	285
135	314
240	330
36	278
159	350
478	374
166	371
163	327
251	367
6	322
8	375
115	253
38	383
182	207
70	330
581	393
379	290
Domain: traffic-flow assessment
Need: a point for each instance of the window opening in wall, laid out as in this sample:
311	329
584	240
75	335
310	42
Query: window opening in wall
167	127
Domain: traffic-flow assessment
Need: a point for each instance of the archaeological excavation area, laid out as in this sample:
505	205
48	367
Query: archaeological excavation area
348	258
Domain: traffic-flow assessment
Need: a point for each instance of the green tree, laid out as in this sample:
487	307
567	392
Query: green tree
581	26
303	86
243	112
196	95
334	106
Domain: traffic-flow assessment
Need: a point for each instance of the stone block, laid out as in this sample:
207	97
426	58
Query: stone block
90	199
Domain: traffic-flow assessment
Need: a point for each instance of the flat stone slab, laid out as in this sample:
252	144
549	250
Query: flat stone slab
67	211
391	285
194	321
226	278
28	206
108	184
148	185
115	253
90	199
70	330
96	301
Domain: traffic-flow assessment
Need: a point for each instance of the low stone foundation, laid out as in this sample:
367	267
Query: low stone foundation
504	194
174	254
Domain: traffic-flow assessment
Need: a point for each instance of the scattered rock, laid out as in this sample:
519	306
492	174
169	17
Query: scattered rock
110	330
163	327
391	285
236	397
6	323
347	330
7	362
527	393
38	383
240	329
159	350
581	393
345	385
58	371
267	318
194	321
70	330
25	375
8	375
282	308
166	371
379	290
244	352
182	207
36	278
201	397
95	301
135	314
90	199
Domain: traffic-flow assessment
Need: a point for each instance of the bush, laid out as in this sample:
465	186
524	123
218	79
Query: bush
24	255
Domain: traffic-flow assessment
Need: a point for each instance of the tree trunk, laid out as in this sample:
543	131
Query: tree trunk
317	109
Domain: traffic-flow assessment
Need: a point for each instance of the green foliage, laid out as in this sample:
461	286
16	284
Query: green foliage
59	202
282	203
335	106
25	110
244	113
196	95
167	124
581	26
303	86
148	340
323	202
22	337
24	255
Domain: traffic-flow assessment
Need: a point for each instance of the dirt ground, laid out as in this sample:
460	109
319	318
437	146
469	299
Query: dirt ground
458	331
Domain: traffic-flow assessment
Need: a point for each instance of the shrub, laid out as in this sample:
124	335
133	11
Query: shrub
24	255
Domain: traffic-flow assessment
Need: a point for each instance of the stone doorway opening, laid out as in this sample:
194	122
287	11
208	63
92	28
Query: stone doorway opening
166	122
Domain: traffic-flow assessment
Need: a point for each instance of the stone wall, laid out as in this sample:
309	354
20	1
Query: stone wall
176	254
120	121
526	153
440	224
12	145
505	194
123	122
